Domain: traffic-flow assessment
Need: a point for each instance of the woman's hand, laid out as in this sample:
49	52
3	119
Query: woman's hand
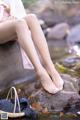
7	18
5	14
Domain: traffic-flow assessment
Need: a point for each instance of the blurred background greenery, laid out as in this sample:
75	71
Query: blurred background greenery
28	3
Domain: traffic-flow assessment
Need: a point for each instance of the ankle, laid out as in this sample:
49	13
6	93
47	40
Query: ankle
50	65
40	71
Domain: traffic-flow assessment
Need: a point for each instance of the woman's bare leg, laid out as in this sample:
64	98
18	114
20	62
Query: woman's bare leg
20	29
40	42
7	31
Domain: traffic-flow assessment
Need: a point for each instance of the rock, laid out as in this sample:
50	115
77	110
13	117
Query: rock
79	85
42	23
57	49
69	65
73	107
60	100
11	67
71	84
53	12
70	62
74	36
75	19
51	17
58	32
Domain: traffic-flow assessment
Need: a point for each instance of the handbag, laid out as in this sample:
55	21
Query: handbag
7	101
14	107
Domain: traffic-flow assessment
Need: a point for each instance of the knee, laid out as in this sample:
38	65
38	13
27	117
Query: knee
31	17
20	23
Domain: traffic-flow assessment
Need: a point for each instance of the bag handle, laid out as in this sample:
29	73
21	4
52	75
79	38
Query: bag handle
13	89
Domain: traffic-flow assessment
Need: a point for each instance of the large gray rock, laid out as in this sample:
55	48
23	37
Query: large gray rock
51	17
74	19
74	36
58	32
71	83
11	67
57	102
53	12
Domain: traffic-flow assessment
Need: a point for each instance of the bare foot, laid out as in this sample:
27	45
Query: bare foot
57	80
46	82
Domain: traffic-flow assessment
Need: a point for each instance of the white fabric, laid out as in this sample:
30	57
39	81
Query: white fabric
26	62
18	11
1	12
16	7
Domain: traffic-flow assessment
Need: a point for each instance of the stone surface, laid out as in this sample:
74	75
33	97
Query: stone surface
42	23
69	65
57	48
53	13
11	67
52	18
57	102
70	62
71	83
74	19
58	32
74	36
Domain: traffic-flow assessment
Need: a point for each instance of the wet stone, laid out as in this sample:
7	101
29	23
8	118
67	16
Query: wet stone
70	61
69	65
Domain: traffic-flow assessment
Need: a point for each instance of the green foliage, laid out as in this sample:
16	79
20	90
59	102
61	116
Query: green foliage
28	3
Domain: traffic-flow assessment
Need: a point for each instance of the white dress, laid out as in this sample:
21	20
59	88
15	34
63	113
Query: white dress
18	11
16	8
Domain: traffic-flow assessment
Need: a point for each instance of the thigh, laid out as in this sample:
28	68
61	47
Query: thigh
7	31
